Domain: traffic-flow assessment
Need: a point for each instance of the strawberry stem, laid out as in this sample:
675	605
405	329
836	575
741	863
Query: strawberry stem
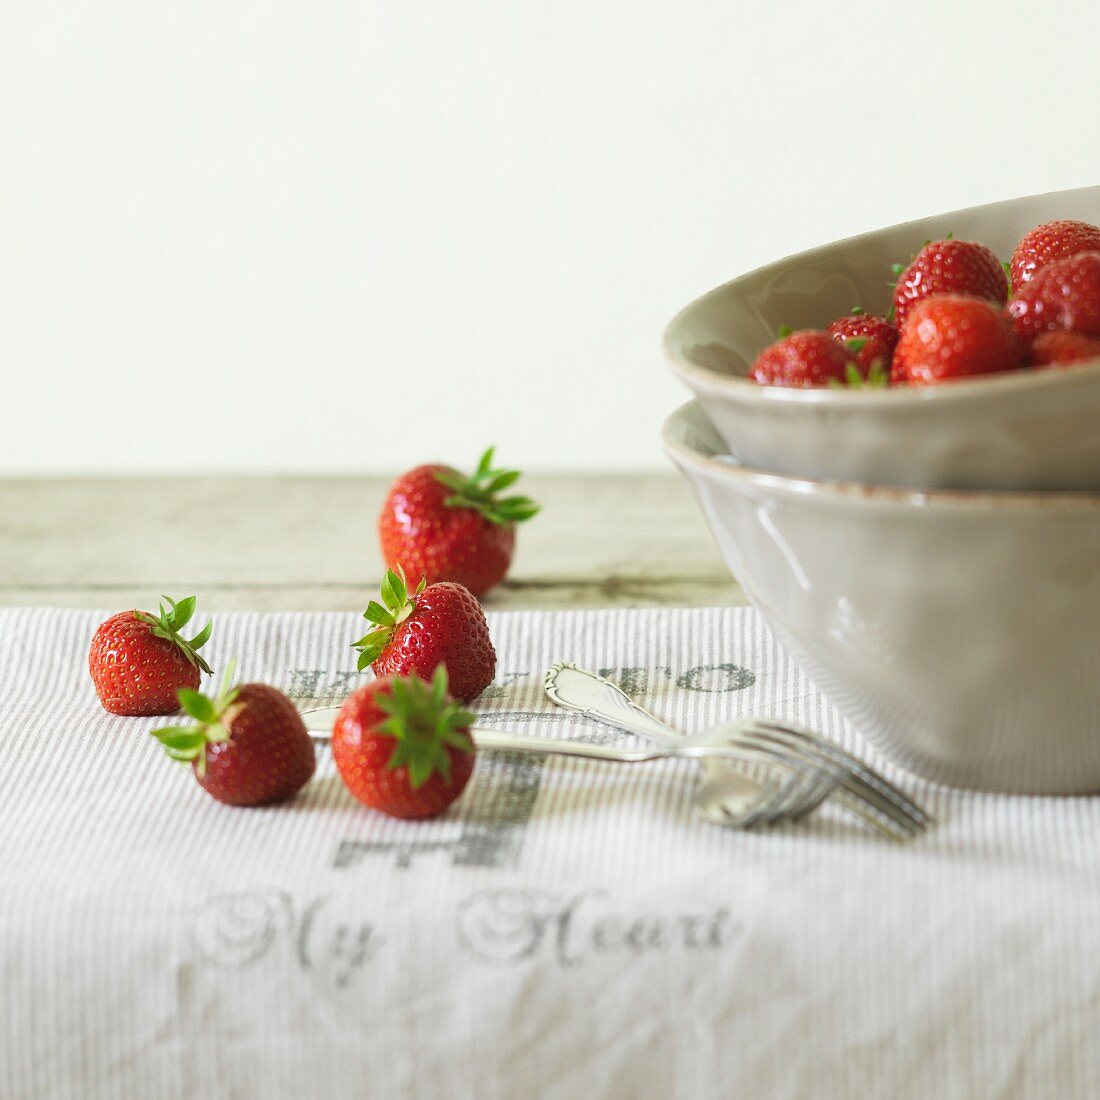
423	720
399	605
878	377
480	490
171	620
212	716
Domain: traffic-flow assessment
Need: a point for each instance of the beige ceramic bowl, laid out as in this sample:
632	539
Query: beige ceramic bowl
1020	430
959	631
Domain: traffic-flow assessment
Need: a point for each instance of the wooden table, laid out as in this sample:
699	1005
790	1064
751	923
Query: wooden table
309	543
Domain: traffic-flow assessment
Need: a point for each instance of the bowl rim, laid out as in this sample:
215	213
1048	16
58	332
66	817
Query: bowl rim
740	388
707	464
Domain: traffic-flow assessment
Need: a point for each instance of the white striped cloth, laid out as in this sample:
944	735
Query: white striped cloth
568	929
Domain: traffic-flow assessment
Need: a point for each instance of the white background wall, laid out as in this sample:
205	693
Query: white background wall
355	235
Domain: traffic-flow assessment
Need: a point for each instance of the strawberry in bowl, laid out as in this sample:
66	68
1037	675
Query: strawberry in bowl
871	338
950	267
803	359
1059	349
964	408
1063	296
1049	242
950	336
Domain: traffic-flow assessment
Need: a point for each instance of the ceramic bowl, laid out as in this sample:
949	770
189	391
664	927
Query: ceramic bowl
959	631
1019	430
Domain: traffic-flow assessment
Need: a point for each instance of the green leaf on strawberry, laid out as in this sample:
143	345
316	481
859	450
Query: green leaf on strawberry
877	377
479	492
171	620
187	744
423	722
399	605
376	613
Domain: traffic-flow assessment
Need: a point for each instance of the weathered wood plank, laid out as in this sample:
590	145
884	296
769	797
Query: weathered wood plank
309	543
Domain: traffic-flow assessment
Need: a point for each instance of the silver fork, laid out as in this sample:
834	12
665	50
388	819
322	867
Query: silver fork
727	796
817	767
721	743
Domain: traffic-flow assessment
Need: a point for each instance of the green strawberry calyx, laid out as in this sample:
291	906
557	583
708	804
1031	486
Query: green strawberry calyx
213	717
170	621
479	492
398	603
878	377
423	720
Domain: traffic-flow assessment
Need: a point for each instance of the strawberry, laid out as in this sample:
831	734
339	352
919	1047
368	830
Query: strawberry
949	267
437	625
1062	348
803	360
139	661
1048	242
403	747
445	526
952	336
878	337
249	746
1063	295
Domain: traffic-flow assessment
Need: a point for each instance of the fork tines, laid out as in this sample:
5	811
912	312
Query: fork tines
871	788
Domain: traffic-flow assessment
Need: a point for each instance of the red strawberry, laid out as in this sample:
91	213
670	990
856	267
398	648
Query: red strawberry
249	747
951	336
1062	348
1063	295
437	625
803	360
949	267
878	335
403	747
1048	242
439	524
139	661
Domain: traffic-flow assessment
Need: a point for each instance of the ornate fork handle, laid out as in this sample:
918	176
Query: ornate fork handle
576	689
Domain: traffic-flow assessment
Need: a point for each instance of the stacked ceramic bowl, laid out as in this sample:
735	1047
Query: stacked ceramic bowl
930	555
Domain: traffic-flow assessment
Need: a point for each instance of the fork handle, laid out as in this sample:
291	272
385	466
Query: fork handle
579	690
497	741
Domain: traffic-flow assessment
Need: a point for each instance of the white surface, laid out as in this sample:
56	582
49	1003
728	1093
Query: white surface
567	929
249	218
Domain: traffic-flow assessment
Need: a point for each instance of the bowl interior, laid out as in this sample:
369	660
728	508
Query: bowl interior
723	331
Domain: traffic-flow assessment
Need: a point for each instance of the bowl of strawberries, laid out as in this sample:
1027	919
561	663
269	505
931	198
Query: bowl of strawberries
961	351
896	443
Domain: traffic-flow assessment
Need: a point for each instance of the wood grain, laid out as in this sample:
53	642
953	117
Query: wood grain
309	543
